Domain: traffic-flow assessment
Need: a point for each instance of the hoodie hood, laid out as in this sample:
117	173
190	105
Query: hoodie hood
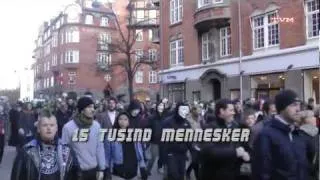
135	104
309	129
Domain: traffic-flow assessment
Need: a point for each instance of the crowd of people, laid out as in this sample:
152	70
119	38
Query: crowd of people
284	140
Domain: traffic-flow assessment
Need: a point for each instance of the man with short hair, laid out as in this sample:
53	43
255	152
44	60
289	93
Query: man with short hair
63	116
45	157
90	154
107	118
222	160
279	152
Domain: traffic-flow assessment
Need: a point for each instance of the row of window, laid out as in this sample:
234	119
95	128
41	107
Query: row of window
139	34
265	28
104	22
152	54
153	78
50	82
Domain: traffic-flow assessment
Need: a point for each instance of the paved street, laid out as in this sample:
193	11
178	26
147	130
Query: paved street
8	157
5	167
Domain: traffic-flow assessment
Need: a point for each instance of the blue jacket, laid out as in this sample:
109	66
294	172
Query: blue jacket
276	157
114	154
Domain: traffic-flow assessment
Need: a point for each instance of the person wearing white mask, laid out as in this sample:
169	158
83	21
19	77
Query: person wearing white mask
175	153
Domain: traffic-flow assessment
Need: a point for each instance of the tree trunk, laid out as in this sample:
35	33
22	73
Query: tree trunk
130	85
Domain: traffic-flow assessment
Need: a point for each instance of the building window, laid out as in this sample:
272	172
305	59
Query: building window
139	54
55	40
104	58
72	77
139	77
72	35
54	59
139	35
61	58
152	77
62	38
265	31
312	21
225	41
202	3
72	57
48	66
176	11
176	52
150	34
177	92
206	46
152	54
196	96
52	81
105	38
104	22
89	19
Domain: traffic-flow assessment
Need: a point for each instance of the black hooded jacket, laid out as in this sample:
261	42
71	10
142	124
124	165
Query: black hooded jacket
155	124
219	160
135	121
177	122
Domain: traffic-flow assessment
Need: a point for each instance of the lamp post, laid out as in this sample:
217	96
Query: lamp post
240	50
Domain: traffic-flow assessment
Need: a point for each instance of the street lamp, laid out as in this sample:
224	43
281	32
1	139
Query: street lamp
240	50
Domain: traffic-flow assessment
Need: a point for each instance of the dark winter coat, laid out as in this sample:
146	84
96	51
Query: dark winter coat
219	160
3	121
276	157
62	119
176	148
27	163
135	121
14	116
155	124
310	135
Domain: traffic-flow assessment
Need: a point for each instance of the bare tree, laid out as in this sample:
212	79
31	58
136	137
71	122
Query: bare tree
123	46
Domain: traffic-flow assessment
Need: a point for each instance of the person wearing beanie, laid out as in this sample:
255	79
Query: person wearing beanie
90	154
279	151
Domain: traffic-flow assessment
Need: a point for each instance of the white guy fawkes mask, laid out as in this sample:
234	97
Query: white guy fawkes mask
183	111
160	108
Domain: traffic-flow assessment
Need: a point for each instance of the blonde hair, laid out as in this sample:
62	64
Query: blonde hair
305	114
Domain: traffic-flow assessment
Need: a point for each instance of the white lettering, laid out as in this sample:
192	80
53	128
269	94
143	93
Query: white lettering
245	134
226	135
147	133
179	135
102	134
129	137
121	135
188	135
217	135
235	135
207	135
197	137
167	135
137	135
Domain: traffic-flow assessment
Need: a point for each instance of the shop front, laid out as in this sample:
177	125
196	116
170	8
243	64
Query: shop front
267	86
311	84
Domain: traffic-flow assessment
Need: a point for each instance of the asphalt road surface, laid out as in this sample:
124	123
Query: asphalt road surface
10	153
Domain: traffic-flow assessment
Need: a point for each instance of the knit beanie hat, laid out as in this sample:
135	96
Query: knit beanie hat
284	98
83	103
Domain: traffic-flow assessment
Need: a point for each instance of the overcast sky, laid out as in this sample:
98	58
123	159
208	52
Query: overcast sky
20	21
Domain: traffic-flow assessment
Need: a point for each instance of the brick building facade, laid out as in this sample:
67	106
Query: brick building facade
72	52
201	51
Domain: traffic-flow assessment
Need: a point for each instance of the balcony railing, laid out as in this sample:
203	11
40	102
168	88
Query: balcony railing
103	45
205	3
144	22
103	66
